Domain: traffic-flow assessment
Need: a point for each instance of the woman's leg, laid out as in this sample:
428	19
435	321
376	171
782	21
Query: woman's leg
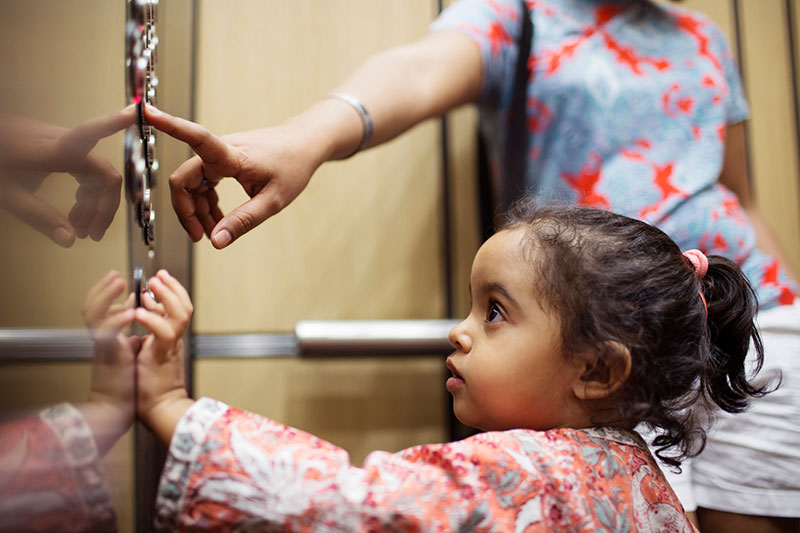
712	521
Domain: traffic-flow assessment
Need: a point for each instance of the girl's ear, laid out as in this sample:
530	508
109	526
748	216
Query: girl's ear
603	371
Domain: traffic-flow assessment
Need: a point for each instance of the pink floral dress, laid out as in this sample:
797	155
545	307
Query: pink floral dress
230	470
50	475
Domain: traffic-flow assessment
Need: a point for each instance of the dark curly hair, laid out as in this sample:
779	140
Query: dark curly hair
614	278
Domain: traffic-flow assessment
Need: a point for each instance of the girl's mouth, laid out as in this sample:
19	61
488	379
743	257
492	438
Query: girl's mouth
455	381
452	368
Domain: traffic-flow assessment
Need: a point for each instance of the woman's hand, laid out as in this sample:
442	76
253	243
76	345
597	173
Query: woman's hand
272	165
162	397
110	408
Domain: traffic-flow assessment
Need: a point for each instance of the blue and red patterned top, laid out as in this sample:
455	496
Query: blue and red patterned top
627	107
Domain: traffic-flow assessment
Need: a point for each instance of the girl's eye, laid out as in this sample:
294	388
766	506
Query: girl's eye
494	314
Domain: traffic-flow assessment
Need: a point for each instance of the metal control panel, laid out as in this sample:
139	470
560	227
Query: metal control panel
141	165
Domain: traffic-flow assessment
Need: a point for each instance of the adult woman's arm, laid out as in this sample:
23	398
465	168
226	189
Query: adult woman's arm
399	87
734	176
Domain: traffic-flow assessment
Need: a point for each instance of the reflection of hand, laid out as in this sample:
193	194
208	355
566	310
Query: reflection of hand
110	409
272	165
32	150
160	363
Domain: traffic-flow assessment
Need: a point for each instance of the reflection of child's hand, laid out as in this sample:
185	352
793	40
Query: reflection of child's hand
100	314
160	363
110	409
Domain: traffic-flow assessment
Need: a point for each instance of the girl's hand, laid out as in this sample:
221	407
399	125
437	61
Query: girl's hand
110	410
160	363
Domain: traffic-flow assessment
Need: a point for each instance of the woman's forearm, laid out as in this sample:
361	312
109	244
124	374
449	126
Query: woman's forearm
400	88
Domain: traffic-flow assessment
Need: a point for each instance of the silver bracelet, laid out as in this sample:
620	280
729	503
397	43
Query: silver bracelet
366	120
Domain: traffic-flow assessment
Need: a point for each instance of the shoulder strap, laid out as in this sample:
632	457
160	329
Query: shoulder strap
516	153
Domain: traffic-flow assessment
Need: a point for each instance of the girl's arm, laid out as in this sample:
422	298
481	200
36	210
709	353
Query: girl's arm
229	469
399	88
162	397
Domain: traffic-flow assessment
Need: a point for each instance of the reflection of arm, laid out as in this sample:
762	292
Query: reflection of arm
50	477
734	177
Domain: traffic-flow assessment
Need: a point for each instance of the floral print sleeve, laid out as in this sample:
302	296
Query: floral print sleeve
50	476
232	470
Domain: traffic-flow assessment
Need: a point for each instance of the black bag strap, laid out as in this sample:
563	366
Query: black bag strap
516	152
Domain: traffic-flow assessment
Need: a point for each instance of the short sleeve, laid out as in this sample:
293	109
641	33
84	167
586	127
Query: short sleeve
495	26
736	108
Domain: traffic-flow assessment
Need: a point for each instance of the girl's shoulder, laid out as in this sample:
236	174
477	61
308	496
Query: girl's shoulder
557	448
563	436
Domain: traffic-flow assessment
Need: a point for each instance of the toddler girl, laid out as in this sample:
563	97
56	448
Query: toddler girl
583	325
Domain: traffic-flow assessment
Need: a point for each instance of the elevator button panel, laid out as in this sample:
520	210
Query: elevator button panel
141	166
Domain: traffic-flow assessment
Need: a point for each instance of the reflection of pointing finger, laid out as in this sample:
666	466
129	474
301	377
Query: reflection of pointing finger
89	132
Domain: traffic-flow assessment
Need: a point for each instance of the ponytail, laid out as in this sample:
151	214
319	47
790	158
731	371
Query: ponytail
732	307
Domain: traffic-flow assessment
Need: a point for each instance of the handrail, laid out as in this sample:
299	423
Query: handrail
39	344
374	337
311	338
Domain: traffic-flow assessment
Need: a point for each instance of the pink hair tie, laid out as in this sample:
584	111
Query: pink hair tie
700	263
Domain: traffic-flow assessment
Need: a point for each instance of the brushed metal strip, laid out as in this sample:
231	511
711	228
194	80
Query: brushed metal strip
311	338
375	337
39	345
245	345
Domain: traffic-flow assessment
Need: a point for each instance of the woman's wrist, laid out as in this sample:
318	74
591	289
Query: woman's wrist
332	127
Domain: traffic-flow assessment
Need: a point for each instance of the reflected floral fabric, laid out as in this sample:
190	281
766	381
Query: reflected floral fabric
229	469
50	478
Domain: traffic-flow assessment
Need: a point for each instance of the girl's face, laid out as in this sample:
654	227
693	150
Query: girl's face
508	370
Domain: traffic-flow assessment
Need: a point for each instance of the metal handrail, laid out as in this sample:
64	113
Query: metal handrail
311	338
375	337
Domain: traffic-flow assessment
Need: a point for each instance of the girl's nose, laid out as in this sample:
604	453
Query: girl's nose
459	337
